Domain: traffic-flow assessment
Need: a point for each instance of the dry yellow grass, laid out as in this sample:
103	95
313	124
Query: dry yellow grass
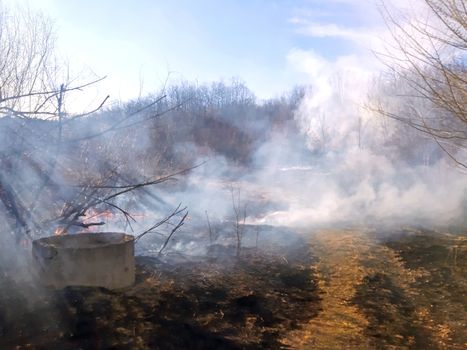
345	258
340	325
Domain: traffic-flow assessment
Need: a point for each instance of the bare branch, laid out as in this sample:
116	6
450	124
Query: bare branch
180	224
160	223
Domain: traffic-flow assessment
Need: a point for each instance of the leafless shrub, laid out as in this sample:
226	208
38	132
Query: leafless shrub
429	55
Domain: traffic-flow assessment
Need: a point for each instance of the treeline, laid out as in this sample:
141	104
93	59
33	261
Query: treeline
185	122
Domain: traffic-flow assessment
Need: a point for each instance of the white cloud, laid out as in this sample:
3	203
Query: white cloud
360	22
319	30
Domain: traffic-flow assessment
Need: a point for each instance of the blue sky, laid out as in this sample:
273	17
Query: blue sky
137	43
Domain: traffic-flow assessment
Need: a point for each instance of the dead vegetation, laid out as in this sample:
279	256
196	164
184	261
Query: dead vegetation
347	289
223	303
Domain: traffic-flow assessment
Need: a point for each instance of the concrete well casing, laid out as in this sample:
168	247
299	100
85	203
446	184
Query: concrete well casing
103	259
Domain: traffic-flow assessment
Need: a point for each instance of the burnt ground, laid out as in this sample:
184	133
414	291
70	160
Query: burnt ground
216	303
335	289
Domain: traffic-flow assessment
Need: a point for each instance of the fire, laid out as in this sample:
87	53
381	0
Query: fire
92	220
93	214
59	231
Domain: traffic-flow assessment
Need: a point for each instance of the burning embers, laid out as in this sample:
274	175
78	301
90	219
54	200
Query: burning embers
95	220
103	259
60	231
89	221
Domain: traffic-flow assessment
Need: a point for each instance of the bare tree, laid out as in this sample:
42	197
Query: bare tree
46	181
428	61
27	65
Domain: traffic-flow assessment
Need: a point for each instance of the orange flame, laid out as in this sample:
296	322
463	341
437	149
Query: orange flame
59	231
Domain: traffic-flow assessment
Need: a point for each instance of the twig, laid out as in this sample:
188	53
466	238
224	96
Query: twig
163	221
209	226
51	92
87	225
180	224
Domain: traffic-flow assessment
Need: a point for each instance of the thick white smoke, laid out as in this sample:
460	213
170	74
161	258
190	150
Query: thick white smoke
360	170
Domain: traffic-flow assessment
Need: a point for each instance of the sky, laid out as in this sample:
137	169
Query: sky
140	44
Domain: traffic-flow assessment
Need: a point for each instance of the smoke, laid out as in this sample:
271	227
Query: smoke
349	165
345	164
363	168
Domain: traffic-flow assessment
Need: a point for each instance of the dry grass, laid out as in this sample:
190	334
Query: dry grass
373	299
